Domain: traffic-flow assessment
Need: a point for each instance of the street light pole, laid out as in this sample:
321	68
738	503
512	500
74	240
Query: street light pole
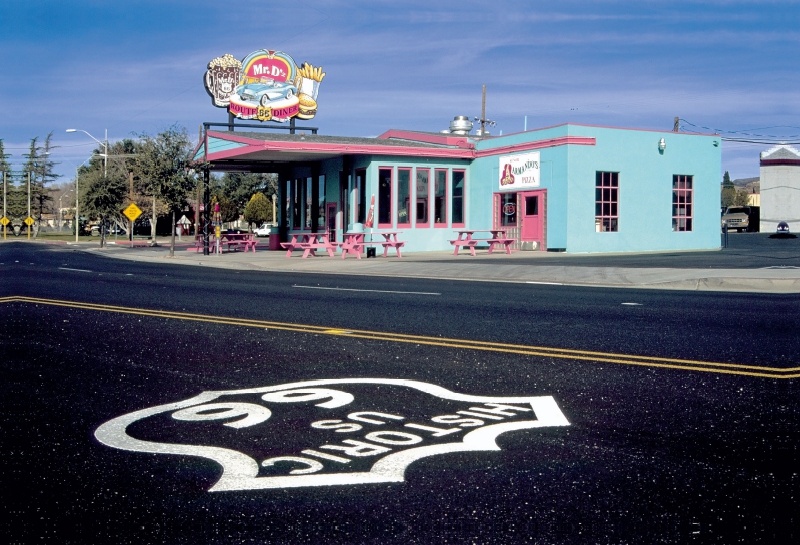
103	143
77	220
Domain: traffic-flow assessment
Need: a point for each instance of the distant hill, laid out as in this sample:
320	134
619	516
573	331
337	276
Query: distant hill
752	185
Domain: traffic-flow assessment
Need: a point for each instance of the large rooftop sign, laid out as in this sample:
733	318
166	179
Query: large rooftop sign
266	85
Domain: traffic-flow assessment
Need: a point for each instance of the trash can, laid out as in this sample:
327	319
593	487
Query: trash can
274	238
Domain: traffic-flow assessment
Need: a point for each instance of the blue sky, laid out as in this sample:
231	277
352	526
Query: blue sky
137	66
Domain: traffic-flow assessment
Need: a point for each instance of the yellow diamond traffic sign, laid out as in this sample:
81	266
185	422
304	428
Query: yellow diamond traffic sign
132	212
29	221
4	221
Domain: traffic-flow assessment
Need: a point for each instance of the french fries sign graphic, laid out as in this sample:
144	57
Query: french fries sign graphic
333	432
267	85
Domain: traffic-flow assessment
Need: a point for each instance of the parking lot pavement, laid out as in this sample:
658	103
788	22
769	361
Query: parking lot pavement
752	263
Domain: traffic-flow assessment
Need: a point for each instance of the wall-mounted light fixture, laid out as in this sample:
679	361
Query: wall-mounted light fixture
662	145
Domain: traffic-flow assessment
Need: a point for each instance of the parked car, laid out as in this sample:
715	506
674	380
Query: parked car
737	217
265	91
264	230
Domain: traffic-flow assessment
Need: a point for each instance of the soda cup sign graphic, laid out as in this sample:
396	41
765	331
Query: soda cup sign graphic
221	78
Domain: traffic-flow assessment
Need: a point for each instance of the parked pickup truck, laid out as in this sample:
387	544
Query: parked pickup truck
737	217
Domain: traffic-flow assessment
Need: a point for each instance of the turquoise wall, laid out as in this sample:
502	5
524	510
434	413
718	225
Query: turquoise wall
645	190
568	174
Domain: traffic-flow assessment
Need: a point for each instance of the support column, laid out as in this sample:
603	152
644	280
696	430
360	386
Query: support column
282	219
315	169
206	204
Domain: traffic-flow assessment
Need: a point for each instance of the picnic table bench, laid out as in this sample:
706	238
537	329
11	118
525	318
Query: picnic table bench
233	241
354	243
309	243
465	240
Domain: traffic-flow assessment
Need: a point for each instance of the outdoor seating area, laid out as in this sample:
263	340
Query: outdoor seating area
466	240
309	243
354	243
231	242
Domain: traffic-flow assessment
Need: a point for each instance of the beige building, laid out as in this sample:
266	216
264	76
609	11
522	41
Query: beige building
780	188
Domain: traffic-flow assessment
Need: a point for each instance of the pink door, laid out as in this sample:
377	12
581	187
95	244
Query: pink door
532	204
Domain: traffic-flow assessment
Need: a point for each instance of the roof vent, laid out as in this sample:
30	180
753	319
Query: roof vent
460	125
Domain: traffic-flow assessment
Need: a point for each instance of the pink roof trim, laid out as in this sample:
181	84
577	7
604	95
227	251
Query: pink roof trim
538	144
443	139
411	151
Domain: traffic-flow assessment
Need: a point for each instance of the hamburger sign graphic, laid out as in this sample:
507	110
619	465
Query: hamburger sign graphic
266	85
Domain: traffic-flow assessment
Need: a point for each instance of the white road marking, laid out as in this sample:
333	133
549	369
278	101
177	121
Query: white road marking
373	291
545	283
633	304
68	269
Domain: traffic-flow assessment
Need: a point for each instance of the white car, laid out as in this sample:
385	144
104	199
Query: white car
263	231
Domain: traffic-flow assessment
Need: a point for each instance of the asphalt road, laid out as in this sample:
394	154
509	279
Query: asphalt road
681	409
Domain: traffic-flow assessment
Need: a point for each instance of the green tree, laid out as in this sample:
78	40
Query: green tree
101	197
117	165
727	191
741	198
258	210
38	172
5	167
239	187
159	170
227	209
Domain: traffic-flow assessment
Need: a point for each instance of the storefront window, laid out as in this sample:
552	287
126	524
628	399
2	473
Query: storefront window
440	198
297	201
361	193
321	211
423	195
385	197
287	221
508	209
403	196
457	199
307	216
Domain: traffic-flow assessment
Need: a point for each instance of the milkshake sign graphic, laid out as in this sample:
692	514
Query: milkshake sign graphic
326	432
267	85
519	171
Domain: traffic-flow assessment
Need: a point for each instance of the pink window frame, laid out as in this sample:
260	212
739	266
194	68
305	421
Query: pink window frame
682	187
608	197
427	199
411	180
384	225
440	224
463	197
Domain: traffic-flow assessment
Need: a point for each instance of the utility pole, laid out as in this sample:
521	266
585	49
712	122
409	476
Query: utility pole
483	121
5	226
29	205
130	222
676	126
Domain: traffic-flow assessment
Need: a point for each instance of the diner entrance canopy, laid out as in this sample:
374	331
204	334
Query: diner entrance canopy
261	151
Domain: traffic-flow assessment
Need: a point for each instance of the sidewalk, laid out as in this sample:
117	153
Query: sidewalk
519	267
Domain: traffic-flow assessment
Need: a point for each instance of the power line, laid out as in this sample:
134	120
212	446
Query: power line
765	139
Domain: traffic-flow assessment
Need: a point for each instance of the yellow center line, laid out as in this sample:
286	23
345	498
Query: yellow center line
443	342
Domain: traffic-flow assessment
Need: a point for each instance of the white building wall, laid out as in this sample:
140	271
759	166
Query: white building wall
780	197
